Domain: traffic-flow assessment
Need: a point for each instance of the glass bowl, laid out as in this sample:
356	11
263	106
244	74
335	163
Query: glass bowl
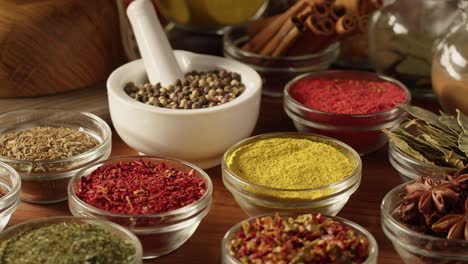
256	199
410	169
414	247
362	131
114	229
210	17
10	190
51	186
159	233
373	246
276	71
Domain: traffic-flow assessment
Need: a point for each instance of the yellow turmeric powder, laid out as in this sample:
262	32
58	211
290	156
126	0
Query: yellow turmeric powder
290	163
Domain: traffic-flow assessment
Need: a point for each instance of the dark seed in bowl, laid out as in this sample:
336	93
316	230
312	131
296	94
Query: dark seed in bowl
196	90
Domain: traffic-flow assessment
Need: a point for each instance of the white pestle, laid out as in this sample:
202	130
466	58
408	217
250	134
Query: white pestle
156	52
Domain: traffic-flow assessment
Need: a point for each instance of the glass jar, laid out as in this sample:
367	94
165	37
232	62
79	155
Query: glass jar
450	65
402	36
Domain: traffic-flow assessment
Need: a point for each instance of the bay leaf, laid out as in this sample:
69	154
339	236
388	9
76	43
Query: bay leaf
405	148
450	121
462	121
422	114
463	143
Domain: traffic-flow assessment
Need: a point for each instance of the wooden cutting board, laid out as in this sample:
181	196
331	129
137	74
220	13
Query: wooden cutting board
92	99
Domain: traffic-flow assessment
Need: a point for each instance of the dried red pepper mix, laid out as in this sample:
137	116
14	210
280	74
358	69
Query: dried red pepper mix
304	239
140	187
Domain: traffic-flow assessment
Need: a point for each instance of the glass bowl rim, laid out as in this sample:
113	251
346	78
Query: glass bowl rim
386	216
373	249
206	198
229	42
311	75
16	184
356	170
106	129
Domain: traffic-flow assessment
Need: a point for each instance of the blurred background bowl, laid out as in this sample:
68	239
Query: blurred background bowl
199	136
46	181
255	199
276	71
210	16
361	131
159	233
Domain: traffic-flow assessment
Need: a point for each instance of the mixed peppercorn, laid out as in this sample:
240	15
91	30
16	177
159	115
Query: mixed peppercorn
303	239
196	90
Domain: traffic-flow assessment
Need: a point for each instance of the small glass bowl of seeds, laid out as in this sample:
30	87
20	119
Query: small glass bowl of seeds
10	192
265	239
47	146
68	239
291	172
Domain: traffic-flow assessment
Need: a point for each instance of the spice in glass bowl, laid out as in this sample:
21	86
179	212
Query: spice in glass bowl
343	96
290	163
305	238
67	242
140	187
436	207
440	140
45	143
197	90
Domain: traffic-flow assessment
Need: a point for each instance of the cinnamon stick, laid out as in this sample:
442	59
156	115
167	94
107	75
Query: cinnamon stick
346	25
317	36
288	40
265	35
277	38
256	26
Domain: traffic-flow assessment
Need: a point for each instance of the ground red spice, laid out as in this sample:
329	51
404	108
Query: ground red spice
343	96
139	187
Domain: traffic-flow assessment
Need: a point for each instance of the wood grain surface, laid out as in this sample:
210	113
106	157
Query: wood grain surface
205	245
92	99
51	46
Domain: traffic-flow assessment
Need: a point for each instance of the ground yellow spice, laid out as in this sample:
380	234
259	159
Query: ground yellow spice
290	163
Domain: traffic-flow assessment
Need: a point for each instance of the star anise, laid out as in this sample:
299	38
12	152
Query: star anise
429	194
455	225
459	179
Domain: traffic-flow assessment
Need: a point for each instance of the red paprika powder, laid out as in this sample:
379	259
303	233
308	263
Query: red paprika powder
139	187
350	106
343	96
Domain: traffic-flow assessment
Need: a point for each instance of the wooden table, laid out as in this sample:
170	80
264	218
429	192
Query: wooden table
378	177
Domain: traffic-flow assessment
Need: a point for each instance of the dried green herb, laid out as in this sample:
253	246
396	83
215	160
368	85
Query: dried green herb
45	143
440	140
66	243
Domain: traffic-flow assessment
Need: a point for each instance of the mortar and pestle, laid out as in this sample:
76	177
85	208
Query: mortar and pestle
199	136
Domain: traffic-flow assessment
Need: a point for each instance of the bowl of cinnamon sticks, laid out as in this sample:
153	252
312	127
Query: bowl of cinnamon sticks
302	39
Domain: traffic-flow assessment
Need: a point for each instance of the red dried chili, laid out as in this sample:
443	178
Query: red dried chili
343	96
138	187
304	239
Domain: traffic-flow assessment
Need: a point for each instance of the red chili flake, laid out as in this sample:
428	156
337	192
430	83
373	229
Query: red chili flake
304	239
139	187
343	96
